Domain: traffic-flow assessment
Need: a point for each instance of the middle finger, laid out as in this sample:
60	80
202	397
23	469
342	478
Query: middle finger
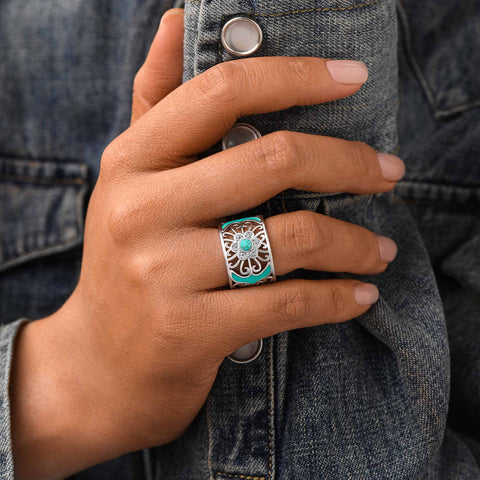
245	176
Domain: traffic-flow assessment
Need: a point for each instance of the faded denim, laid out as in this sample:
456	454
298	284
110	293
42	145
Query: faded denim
367	399
439	129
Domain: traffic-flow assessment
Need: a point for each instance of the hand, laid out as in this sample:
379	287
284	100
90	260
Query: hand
129	360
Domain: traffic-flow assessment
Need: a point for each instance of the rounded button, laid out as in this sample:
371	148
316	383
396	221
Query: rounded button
247	353
241	36
238	134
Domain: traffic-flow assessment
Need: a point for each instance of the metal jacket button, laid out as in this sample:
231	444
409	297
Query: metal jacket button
238	134
247	353
241	36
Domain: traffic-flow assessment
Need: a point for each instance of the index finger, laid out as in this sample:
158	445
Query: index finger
198	113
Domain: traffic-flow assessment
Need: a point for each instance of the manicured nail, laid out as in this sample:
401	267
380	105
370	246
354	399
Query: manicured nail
347	71
170	12
387	247
392	167
366	294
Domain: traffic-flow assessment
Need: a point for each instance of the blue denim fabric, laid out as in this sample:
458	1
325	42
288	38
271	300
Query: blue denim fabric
439	129
66	71
366	399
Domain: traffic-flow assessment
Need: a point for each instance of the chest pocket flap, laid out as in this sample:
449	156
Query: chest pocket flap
41	208
442	44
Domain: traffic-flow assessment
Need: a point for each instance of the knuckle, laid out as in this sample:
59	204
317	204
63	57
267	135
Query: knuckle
147	273
114	160
109	156
140	268
301	233
279	152
291	304
137	81
122	222
131	220
138	90
338	301
301	71
221	82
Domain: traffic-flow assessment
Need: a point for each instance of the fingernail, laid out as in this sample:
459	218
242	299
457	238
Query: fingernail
168	13
387	247
366	294
347	71
392	167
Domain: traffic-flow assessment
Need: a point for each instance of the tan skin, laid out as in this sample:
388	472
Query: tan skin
129	359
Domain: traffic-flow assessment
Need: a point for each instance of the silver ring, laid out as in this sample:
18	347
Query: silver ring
247	252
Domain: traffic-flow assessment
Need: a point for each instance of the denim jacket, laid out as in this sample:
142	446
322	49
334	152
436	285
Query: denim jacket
367	399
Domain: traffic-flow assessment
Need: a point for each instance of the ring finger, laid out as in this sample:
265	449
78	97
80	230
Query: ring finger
302	239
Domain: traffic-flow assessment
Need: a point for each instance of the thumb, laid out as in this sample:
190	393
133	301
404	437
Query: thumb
163	68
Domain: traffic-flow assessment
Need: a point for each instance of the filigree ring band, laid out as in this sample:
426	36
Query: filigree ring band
247	252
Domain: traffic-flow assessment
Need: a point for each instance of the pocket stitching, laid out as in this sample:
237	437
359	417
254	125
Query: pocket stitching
42	181
310	10
438	112
56	247
80	186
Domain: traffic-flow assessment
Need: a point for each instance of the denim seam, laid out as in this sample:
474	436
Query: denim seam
433	184
6	444
54	247
411	56
210	442
41	252
422	79
220	43
243	477
294	195
271	404
310	10
439	192
458	109
45	181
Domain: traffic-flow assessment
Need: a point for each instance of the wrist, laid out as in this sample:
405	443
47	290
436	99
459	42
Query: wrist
57	425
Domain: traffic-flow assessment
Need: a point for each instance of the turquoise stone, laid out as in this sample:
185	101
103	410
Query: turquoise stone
245	244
